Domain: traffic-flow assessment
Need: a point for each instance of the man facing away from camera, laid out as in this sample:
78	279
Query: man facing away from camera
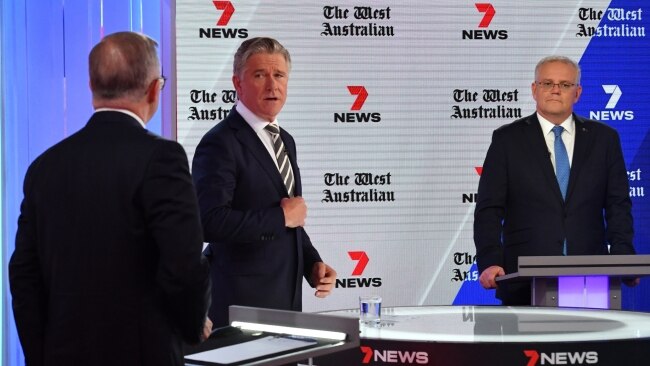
108	268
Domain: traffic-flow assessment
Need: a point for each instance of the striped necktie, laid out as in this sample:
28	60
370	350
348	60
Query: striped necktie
284	166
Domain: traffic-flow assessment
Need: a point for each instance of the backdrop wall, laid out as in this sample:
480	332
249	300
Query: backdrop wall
392	106
429	61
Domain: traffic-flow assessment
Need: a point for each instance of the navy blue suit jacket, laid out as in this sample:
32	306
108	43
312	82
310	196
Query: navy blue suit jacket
108	267
255	259
520	210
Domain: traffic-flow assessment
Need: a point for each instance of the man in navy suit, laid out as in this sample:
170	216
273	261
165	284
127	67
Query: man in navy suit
249	191
108	267
522	210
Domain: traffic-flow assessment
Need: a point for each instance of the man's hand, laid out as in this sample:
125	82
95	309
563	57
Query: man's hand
631	282
295	211
207	329
489	275
323	278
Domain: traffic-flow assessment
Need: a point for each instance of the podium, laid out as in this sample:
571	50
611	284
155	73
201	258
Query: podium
591	281
274	337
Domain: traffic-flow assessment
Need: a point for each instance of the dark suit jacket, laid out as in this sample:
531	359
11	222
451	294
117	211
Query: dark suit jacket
520	210
108	267
255	259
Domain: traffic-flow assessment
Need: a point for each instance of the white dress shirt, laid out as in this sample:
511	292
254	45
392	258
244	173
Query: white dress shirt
568	137
137	118
258	124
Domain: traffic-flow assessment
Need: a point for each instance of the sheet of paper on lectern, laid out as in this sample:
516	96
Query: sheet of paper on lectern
251	349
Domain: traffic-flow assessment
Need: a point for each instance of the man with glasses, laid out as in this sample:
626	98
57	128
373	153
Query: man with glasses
108	268
553	183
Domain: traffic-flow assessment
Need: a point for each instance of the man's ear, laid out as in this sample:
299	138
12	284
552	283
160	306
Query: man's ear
153	92
577	94
236	82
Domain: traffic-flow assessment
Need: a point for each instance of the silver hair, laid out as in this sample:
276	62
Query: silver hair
257	45
562	59
122	65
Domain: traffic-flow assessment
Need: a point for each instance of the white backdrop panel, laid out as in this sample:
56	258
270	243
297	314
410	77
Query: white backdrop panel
412	79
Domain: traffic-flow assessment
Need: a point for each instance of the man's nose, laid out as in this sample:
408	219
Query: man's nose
271	84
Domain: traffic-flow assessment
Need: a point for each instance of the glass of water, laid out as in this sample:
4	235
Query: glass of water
370	310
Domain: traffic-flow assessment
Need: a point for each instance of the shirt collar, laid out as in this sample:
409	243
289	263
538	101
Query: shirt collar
256	123
568	124
125	111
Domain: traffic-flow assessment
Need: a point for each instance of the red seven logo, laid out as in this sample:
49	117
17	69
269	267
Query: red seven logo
489	11
367	354
362	259
227	8
533	357
361	94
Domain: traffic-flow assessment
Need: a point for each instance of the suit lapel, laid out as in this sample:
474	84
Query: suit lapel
534	139
581	147
251	142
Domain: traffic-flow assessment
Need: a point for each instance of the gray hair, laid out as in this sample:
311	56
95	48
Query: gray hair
122	65
562	59
254	46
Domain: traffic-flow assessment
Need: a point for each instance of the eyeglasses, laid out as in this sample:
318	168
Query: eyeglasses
162	81
548	86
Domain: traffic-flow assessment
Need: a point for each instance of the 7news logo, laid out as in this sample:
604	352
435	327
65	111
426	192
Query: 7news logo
486	34
561	358
354	117
225	9
609	114
472	197
356	280
394	356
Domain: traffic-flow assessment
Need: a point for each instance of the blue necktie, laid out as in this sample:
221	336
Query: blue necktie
561	161
561	166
